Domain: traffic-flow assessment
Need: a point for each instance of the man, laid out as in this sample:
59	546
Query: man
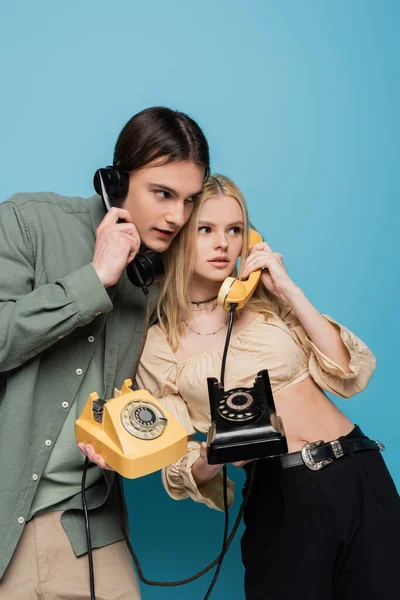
72	323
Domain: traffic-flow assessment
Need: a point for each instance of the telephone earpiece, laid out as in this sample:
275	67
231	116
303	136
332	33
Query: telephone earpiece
112	184
146	267
235	291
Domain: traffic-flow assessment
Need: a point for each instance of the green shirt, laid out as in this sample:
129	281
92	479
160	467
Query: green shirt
62	475
51	303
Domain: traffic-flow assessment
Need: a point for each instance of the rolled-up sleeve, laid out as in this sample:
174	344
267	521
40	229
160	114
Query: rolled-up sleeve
331	377
180	484
325	372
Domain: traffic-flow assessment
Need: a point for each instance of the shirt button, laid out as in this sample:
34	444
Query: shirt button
79	371
21	520
97	314
35	477
90	339
48	442
60	337
65	404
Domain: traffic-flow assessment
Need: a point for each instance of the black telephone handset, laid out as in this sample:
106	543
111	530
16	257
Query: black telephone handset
112	185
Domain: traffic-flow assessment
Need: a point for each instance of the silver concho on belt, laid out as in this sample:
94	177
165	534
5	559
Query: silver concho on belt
143	419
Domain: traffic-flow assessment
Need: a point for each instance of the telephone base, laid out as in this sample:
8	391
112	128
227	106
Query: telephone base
244	422
237	451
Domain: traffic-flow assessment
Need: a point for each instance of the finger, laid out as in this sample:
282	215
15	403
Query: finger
258	261
100	462
91	454
89	450
131	237
249	270
261	246
96	458
203	451
241	463
81	447
127	228
114	215
254	263
134	243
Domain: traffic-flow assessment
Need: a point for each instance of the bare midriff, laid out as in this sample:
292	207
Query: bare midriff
309	415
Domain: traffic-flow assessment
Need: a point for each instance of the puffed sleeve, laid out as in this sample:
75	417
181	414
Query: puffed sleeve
180	484
325	372
157	373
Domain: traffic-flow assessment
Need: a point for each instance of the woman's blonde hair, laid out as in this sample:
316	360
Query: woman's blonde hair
174	298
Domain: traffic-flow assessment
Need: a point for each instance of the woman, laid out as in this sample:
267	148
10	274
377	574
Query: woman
320	534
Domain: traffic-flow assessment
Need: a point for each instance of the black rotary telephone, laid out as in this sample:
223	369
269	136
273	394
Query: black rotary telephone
112	184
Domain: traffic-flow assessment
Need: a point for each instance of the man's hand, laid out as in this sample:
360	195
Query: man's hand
88	451
116	245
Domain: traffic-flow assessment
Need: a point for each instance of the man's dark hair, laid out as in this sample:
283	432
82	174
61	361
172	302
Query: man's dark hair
160	133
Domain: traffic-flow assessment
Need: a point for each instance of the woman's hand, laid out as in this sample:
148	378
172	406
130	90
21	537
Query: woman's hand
325	335
95	458
203	455
274	275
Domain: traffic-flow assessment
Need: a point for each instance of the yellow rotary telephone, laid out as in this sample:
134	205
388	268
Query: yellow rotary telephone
134	434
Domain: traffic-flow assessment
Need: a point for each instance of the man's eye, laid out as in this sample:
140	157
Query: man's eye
163	194
192	199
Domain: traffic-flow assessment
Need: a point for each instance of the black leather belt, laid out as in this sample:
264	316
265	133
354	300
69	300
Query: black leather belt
317	455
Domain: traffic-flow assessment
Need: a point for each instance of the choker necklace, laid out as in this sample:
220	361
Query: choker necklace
200	333
203	301
198	309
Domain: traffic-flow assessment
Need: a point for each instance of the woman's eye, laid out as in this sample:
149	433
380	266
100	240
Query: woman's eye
235	230
204	229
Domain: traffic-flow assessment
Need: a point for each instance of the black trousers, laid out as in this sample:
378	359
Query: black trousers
332	534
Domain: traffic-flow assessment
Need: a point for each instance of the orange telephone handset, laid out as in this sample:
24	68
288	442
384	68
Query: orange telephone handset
235	291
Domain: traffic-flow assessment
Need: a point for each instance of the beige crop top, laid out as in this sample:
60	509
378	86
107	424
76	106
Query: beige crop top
279	344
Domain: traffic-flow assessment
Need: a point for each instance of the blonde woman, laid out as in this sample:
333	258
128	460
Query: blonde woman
326	534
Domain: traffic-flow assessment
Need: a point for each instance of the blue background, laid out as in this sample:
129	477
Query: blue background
299	100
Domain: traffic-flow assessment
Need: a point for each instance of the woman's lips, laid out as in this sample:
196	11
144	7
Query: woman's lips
219	263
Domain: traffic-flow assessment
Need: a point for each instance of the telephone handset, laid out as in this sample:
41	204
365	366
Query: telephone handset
235	291
112	185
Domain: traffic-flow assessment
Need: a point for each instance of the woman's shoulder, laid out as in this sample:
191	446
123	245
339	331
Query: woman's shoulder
156	346
155	332
157	367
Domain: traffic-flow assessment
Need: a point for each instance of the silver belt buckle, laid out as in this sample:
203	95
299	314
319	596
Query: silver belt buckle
308	459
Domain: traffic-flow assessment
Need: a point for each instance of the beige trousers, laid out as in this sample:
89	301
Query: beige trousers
44	567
